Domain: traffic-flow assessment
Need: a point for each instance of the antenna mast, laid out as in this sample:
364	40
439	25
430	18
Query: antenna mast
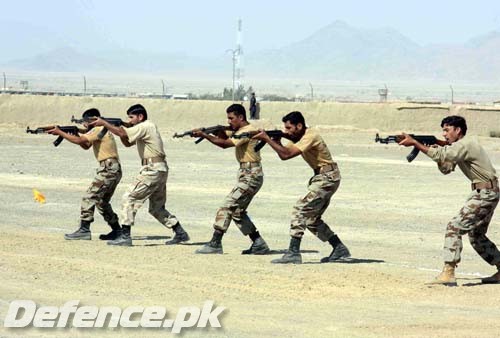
239	55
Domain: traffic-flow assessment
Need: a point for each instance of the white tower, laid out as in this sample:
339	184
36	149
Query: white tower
239	55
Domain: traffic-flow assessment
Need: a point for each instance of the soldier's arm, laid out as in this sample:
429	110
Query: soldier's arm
118	131
76	139
446	167
453	153
409	141
218	141
126	142
284	153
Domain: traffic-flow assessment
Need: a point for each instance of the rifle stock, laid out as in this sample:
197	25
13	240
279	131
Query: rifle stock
428	140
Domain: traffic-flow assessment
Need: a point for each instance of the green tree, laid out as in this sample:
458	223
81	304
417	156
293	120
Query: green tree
239	93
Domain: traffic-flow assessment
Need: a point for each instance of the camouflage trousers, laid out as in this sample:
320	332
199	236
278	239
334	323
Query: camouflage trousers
235	204
473	219
149	184
99	193
308	210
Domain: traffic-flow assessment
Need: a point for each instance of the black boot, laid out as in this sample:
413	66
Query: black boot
180	235
293	255
339	252
116	231
258	247
83	232
214	246
124	238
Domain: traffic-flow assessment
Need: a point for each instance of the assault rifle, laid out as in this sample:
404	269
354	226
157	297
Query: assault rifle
208	130
73	130
111	120
428	140
274	134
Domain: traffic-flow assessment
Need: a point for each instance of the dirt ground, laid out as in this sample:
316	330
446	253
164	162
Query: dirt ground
391	214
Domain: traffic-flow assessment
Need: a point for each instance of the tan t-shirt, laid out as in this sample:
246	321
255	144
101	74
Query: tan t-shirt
314	150
470	158
148	140
103	148
244	147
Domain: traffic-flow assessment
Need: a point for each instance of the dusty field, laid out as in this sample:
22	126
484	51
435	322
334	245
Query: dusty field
391	215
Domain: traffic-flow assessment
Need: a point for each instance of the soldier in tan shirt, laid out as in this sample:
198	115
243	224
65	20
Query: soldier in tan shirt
325	182
474	218
151	183
103	186
250	179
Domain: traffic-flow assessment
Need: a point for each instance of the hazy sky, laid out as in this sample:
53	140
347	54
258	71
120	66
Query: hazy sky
209	27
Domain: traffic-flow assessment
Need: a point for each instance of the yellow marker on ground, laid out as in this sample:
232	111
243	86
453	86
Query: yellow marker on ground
38	196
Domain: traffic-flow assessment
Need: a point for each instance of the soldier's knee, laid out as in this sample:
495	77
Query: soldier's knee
238	214
225	211
455	229
90	201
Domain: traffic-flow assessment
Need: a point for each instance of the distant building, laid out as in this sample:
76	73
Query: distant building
180	96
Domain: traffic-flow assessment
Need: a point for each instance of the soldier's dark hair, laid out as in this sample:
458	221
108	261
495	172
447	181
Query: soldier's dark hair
237	109
92	112
294	118
138	109
455	121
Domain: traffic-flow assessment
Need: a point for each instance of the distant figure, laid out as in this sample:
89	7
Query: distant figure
253	107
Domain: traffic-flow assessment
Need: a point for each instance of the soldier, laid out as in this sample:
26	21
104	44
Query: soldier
474	218
103	186
250	179
325	182
152	179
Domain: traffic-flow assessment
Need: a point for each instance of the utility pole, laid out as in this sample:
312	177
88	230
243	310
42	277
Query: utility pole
234	54
4	82
451	94
84	85
162	88
239	58
312	91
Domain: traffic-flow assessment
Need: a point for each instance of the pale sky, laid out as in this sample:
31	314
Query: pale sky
208	28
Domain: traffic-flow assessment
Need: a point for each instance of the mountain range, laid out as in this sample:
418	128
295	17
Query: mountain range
337	51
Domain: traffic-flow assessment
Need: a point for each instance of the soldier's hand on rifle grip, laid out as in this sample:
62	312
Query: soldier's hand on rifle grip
55	131
198	133
407	140
97	122
262	136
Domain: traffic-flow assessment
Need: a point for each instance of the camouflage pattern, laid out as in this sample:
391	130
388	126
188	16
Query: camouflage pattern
99	193
473	219
236	203
308	210
149	184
